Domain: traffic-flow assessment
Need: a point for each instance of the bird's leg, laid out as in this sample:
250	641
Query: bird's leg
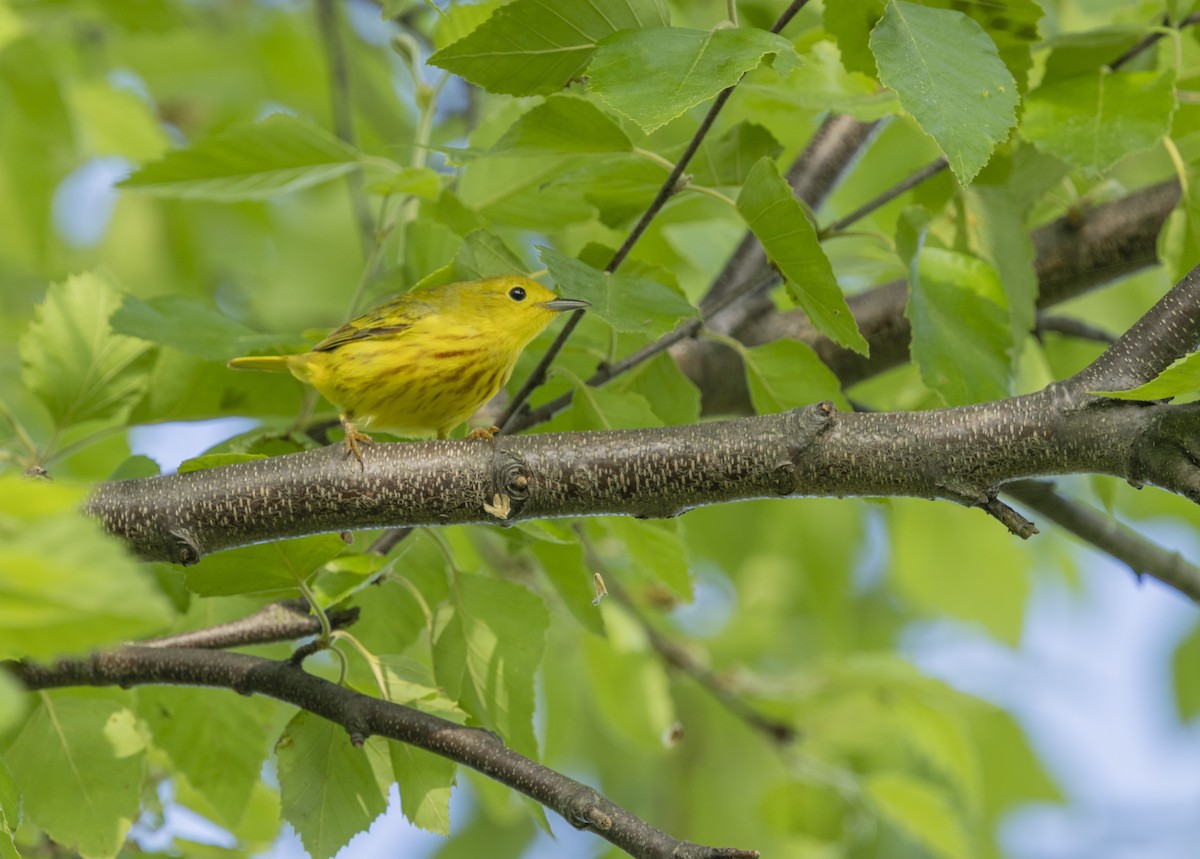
354	439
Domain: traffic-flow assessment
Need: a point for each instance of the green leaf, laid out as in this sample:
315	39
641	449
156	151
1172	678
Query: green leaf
262	567
422	182
779	222
604	409
117	121
66	587
961	335
1185	670
999	235
188	325
328	789
219	748
629	684
785	374
921	810
72	360
531	47
728	159
567	569
671	394
656	551
13	703
425	781
458	20
624	302
563	123
79	762
942	737
653	75
1182	378
503	628
215	460
248	161
1094	121
948	74
992	593
484	254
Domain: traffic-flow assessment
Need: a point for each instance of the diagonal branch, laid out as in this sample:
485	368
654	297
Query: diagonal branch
1108	535
668	189
363	717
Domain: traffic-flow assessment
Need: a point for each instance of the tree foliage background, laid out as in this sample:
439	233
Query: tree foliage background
280	166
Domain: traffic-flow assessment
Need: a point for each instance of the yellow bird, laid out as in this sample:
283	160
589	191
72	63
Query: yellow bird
424	361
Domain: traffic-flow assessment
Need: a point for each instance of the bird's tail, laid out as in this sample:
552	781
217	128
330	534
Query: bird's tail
270	363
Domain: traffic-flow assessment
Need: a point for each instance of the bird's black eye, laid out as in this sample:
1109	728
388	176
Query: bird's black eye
517	293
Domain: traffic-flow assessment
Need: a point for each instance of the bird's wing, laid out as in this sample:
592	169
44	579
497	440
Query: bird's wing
386	321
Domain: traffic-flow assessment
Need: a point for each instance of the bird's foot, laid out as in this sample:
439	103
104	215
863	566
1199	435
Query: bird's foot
488	433
354	441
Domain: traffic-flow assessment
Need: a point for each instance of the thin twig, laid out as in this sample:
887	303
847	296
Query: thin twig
886	197
281	621
1069	326
1151	39
669	187
343	116
1108	535
362	717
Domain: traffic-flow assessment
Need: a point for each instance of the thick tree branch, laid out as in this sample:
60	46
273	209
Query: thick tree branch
959	454
1108	535
363	717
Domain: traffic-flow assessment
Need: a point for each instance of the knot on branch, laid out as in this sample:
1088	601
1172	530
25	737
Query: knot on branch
187	548
801	428
510	480
581	809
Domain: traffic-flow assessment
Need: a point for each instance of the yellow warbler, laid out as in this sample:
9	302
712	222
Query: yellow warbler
426	360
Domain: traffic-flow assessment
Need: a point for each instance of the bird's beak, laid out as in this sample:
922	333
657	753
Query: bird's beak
561	304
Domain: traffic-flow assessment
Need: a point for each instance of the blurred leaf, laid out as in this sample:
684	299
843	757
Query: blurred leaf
14	701
1093	121
654	75
563	124
992	590
999	235
656	551
567	570
776	217
118	122
79	762
66	587
328	788
459	19
626	303
263	567
961	336
1185	668
420	182
73	361
949	76
629	684
525	49
922	811
187	325
786	374
248	161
